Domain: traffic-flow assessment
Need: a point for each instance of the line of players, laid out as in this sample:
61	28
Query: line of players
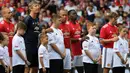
61	44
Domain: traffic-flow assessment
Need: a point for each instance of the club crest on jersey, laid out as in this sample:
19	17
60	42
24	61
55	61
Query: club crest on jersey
77	32
66	33
36	28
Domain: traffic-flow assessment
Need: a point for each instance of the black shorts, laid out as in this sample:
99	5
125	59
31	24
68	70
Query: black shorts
2	69
47	70
90	68
18	69
56	66
118	70
32	58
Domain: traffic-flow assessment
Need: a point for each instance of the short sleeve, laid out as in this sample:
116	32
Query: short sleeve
16	44
2	27
85	45
116	47
102	33
26	20
41	52
1	53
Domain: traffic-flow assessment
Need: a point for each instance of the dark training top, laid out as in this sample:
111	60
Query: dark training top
31	35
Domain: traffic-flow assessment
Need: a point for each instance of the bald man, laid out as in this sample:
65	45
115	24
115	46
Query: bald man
7	27
66	34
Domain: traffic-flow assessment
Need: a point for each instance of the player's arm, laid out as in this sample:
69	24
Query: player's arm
79	39
41	61
42	64
47	30
109	40
1	59
116	50
103	35
57	50
89	54
40	55
2	63
99	57
122	59
48	4
86	49
22	56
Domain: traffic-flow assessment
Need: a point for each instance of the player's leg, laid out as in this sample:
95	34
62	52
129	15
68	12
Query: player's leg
107	59
78	63
67	62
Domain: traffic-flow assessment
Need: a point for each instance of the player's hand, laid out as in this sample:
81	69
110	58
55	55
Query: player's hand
123	61
11	33
44	69
95	61
99	59
126	61
4	33
115	39
49	30
7	69
63	55
44	31
27	62
10	68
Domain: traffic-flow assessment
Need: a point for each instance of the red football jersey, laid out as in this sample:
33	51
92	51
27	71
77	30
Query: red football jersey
108	31
66	33
7	27
75	32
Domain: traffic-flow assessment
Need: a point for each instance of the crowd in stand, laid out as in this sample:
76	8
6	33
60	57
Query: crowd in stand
61	36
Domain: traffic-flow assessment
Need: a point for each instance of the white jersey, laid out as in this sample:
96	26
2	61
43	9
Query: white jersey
1	53
55	37
43	52
120	46
18	44
4	55
93	46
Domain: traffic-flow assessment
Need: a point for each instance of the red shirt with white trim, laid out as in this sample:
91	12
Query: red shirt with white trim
7	27
66	33
108	31
75	32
